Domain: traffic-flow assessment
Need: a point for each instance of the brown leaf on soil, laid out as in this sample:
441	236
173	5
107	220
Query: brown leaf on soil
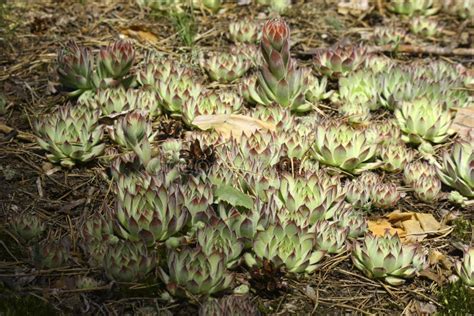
140	33
413	230
379	226
231	124
463	123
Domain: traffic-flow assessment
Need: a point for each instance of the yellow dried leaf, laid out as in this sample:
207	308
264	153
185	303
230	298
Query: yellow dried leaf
428	222
140	33
413	230
231	124
378	227
397	216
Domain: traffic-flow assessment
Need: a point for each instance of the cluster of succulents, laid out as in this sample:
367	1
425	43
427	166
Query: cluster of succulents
78	73
388	35
279	79
424	27
387	258
225	67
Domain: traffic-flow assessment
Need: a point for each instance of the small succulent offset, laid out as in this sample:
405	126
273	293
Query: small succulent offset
71	135
97	234
339	61
225	67
462	8
244	31
132	129
192	270
465	268
424	120
416	170
360	87
127	261
388	35
330	237
424	27
353	220
76	69
50	254
358	193
285	246
427	188
27	226
396	157
316	88
412	7
385	195
279	77
217	236
342	146
115	61
387	258
229	305
457	169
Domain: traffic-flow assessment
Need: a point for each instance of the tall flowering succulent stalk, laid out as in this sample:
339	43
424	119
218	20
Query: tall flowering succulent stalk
76	69
71	135
387	258
279	77
193	270
457	169
465	268
286	246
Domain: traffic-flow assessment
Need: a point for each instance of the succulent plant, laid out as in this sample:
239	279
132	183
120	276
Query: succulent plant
285	246
152	214
115	61
170	150
279	77
97	234
132	129
310	194
465	268
385	132
229	305
71	135
253	92
244	31
217	236
342	146
87	283
355	113
395	157
361	88
412	7
357	193
198	196
213	5
280	6
387	258
385	195
462	8
76	69
112	101
388	35
352	220
424	27
416	170
339	61
27	226
378	64
389	81
176	87
263	145
192	270
316	89
424	120
427	189
457	169
330	237
225	67
50	254
457	198
127	261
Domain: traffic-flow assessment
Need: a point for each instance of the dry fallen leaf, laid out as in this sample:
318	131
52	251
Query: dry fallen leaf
413	230
231	124
428	222
140	33
463	123
379	226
